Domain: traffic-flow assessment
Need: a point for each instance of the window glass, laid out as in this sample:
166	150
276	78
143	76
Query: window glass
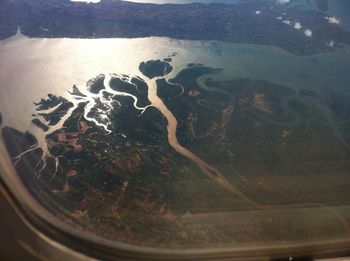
213	125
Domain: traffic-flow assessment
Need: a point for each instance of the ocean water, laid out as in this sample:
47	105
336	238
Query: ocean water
54	65
33	55
31	68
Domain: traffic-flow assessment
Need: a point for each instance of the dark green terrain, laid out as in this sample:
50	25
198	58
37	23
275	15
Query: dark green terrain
221	22
125	182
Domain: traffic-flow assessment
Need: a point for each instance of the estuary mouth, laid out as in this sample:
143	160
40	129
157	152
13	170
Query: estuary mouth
115	149
221	135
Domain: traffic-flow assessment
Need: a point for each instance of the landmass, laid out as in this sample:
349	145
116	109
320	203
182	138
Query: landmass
96	84
155	68
322	5
254	22
110	169
40	124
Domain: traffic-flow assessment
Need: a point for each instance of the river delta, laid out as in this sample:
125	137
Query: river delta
181	143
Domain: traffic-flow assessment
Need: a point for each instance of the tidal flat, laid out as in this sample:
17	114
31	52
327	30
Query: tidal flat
266	125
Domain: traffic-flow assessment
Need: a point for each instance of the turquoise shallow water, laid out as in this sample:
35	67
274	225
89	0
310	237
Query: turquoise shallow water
35	56
53	65
264	164
59	63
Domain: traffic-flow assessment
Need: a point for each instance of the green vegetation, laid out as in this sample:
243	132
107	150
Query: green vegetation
155	68
40	125
233	22
277	146
96	84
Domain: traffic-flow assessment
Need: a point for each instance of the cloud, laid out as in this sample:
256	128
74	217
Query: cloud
297	25
332	20
331	43
308	33
87	1
282	2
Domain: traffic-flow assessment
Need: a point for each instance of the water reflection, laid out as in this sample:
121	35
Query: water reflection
256	120
60	63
